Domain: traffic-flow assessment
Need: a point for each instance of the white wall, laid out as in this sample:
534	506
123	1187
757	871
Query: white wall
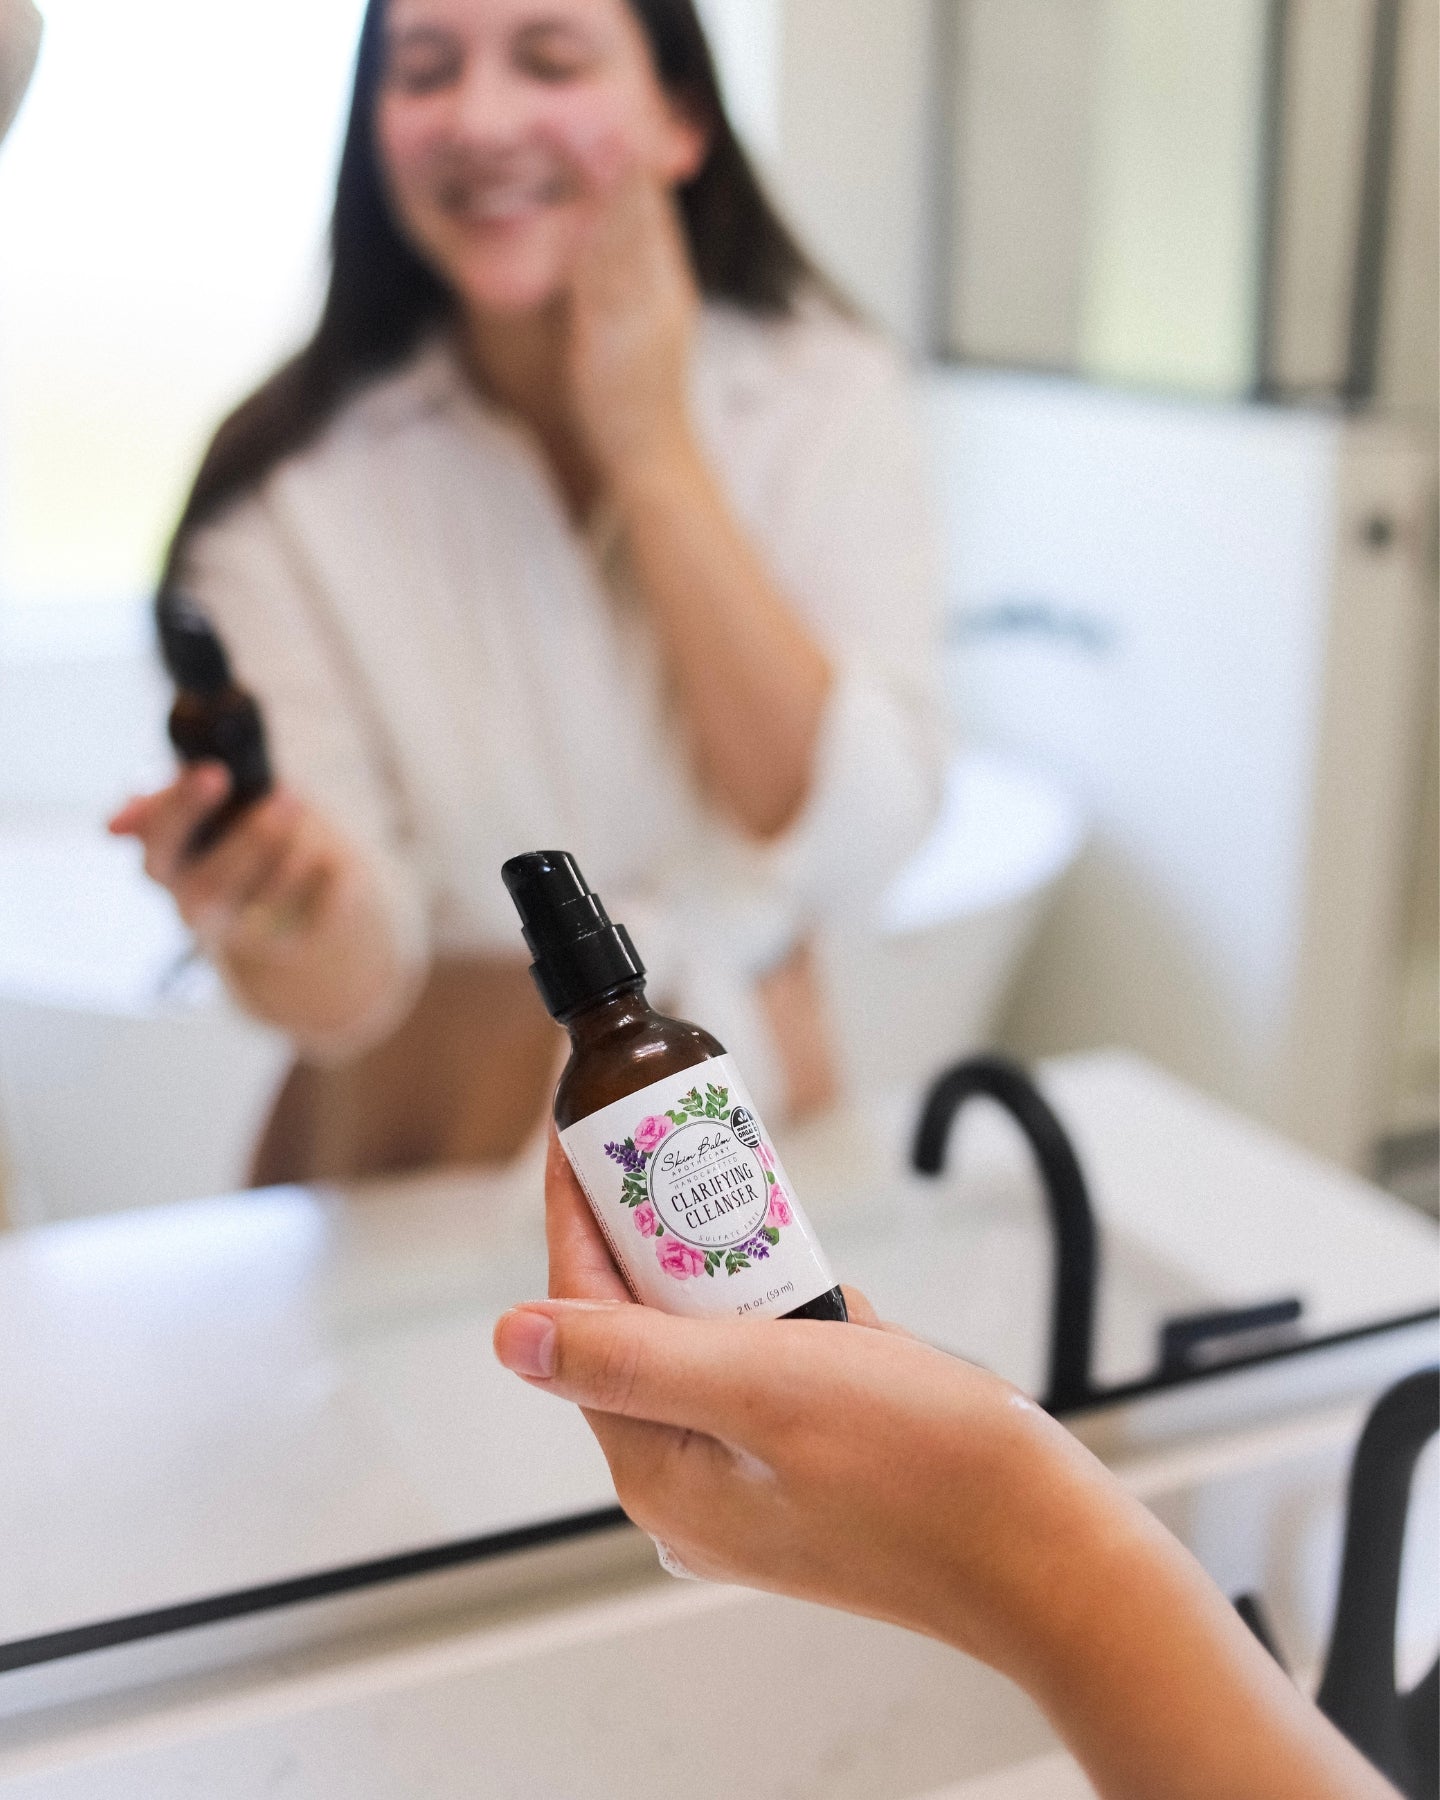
1174	608
745	39
854	163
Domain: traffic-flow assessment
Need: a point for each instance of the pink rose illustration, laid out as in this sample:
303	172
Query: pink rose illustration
779	1213
649	1132
765	1155
679	1260
645	1220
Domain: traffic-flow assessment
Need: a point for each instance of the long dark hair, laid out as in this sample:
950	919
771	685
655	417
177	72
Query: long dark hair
382	296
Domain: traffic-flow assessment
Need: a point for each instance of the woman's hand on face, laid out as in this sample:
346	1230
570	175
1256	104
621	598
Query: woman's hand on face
632	311
265	888
850	1465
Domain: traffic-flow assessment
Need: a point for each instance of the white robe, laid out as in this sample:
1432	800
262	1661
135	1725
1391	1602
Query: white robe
453	672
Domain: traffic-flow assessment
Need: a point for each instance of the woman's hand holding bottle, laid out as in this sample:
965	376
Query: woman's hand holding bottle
281	902
856	1467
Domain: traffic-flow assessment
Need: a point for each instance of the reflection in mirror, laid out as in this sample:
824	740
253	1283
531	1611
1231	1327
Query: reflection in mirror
902	708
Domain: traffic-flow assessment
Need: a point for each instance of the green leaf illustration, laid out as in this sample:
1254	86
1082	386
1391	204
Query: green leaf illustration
769	1178
770	1234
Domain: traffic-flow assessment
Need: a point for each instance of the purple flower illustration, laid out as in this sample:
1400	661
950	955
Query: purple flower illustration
756	1248
649	1132
631	1160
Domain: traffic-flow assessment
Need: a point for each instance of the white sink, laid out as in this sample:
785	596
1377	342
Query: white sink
666	1691
126	1077
926	982
650	1689
227	1393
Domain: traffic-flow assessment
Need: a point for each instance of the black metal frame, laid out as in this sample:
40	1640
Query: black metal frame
1400	1733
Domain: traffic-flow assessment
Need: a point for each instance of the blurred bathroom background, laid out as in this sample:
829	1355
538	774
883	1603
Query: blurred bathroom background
1169	273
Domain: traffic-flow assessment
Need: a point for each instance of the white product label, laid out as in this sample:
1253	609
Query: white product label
693	1200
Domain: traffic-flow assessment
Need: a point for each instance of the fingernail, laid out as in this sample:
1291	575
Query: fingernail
525	1343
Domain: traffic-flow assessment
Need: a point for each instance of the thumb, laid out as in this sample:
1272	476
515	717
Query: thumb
715	1376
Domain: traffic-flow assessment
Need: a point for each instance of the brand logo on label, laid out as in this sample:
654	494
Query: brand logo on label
705	1185
746	1127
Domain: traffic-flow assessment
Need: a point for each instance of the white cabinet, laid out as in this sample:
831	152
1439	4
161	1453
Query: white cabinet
1212	622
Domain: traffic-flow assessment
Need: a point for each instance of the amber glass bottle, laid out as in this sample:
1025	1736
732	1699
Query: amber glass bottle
658	1126
213	718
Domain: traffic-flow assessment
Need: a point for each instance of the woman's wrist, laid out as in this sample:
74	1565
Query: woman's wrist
662	471
1139	1662
751	678
333	980
1044	1533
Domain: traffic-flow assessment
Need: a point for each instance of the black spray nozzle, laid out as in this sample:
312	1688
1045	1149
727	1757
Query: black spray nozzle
190	645
552	898
579	955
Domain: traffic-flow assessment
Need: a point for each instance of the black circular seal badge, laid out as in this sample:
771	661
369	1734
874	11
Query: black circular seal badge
746	1128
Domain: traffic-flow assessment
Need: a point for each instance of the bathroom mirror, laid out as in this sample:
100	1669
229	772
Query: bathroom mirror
1184	655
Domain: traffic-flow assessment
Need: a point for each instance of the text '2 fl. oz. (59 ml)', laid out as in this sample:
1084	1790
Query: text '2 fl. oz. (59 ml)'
656	1121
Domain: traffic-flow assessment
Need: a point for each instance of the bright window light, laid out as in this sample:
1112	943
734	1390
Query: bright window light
162	211
745	37
163	201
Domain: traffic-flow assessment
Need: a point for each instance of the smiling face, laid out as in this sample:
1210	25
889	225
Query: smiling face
500	126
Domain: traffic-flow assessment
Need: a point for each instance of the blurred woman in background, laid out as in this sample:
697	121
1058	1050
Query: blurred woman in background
590	517
20	30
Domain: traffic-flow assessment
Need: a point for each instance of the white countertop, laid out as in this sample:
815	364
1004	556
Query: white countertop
218	1394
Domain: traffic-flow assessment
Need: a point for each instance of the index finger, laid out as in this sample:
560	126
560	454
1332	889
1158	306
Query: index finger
748	1382
581	1267
169	818
639	1365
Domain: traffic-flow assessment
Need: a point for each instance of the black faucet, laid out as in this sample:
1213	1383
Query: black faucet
1188	1345
1072	1219
1400	1733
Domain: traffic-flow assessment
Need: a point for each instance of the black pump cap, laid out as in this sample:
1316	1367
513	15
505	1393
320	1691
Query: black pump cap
190	646
579	955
